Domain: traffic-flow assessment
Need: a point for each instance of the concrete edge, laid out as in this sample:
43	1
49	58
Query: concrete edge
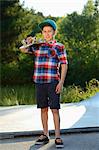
12	135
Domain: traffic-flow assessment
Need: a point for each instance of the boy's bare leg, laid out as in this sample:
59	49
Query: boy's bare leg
44	118
56	119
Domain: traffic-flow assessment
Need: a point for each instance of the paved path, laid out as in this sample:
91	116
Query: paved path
73	115
84	141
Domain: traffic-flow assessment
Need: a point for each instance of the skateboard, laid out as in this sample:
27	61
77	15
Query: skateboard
34	41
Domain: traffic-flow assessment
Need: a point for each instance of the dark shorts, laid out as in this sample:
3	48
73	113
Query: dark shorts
46	95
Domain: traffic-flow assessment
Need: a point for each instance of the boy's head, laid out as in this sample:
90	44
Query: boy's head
48	28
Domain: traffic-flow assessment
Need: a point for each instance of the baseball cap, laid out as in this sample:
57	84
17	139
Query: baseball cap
48	22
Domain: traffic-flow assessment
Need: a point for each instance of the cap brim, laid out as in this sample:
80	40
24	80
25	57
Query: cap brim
41	25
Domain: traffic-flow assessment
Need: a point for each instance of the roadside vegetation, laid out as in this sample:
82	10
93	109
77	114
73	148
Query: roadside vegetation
74	93
25	94
17	95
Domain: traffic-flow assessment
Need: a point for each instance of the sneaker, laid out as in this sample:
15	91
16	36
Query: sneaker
43	139
59	143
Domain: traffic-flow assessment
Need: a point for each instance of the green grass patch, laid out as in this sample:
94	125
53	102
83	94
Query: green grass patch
25	94
17	95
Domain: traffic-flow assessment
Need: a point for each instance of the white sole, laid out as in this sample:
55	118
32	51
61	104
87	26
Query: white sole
59	146
39	143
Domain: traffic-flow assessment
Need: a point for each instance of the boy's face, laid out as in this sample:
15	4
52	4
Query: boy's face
48	33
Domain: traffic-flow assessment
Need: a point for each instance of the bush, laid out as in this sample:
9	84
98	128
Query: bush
92	87
76	93
15	73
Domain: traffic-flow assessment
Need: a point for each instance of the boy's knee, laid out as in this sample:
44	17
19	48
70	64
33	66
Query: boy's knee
55	111
44	110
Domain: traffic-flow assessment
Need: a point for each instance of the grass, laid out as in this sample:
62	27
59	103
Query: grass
17	95
25	94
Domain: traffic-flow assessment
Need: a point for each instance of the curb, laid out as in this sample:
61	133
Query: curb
12	135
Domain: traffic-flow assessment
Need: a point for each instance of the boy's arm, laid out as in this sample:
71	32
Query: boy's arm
64	68
25	50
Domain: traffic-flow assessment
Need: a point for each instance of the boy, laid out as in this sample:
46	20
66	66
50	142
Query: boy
48	82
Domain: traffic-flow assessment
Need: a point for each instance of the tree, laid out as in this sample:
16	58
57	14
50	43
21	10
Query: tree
89	8
16	24
9	28
96	6
80	34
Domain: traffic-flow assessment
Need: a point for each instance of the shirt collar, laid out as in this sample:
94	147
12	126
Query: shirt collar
52	42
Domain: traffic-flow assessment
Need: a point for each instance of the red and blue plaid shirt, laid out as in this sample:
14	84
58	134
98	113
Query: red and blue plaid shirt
48	56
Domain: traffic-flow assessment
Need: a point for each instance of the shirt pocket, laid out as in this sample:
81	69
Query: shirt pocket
51	52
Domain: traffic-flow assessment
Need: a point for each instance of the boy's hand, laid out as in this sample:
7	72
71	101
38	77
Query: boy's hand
59	87
23	50
30	40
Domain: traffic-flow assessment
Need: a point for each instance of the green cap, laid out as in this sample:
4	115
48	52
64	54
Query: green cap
48	22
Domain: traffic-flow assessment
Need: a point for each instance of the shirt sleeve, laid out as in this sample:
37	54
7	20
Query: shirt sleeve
61	54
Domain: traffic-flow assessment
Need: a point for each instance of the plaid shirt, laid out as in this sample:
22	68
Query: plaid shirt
48	56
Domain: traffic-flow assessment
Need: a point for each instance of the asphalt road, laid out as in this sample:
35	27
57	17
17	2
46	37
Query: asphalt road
81	141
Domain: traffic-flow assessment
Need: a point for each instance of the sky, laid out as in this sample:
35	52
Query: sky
55	8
